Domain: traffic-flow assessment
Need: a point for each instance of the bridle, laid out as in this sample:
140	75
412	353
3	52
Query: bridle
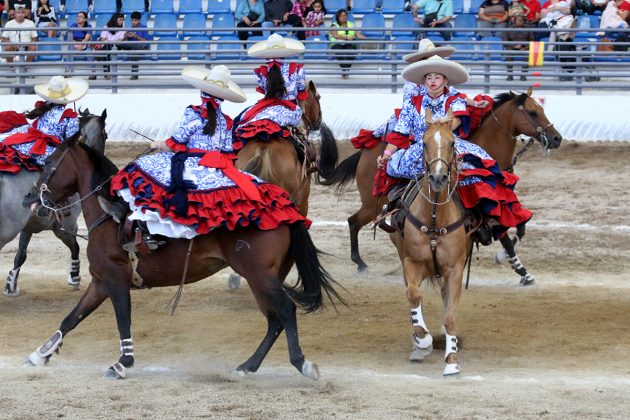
427	172
310	125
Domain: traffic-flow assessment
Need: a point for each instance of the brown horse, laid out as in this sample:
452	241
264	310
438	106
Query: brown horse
264	258
433	243
513	115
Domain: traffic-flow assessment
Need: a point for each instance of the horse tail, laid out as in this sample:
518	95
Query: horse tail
312	277
260	164
329	173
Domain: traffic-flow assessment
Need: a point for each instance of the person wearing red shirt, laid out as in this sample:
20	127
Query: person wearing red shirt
534	12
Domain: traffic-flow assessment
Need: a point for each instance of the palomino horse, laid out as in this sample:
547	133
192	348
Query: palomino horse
433	243
264	258
513	115
16	219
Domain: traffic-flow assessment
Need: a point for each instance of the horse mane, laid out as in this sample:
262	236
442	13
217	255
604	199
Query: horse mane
506	97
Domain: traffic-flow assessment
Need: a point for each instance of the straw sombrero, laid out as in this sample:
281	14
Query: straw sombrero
454	72
426	49
60	90
215	82
276	47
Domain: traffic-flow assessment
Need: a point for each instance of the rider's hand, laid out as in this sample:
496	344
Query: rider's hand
382	160
481	104
160	146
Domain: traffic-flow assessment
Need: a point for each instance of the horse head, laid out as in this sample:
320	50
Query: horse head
530	120
439	150
92	129
312	111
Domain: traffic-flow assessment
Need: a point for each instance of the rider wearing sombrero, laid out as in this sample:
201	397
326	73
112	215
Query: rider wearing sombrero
27	146
191	185
282	83
482	185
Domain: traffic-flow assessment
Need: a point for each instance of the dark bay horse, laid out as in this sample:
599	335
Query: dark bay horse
434	244
513	115
17	219
264	258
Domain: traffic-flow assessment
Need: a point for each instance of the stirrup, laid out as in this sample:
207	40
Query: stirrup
142	243
380	220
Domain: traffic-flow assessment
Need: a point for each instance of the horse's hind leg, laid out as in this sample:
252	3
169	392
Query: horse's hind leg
11	288
508	244
362	217
69	239
94	295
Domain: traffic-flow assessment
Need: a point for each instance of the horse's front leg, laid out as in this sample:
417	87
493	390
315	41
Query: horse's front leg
11	288
121	300
94	295
414	274
451	292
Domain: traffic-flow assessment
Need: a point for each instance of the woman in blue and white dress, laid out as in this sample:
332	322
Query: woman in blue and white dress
283	84
27	145
191	186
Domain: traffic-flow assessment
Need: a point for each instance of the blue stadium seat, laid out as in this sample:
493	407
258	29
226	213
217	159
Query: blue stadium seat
393	6
159	7
316	47
53	51
70	19
75	6
194	21
465	21
167	52
333	5
143	19
474	6
363	6
465	50
225	22
251	41
101	21
373	20
230	48
104	7
216	7
400	25
197	50
189	7
162	22
130	6
491	51
403	45
587	22
458	6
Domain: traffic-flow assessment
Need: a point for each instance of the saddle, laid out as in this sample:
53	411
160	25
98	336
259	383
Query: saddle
305	150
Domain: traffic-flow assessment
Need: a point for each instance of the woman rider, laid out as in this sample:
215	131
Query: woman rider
283	84
482	184
27	146
191	186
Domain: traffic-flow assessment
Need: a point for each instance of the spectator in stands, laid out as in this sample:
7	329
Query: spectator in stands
310	3
591	6
45	17
556	14
517	8
624	10
437	14
611	19
2	12
116	21
19	40
138	35
278	13
523	39
315	18
14	4
341	39
533	14
249	14
493	14
81	37
299	13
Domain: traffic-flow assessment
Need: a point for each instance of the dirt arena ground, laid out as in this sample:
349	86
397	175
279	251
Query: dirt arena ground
555	350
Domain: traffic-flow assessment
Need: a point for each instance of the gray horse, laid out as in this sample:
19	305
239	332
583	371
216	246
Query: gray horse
18	219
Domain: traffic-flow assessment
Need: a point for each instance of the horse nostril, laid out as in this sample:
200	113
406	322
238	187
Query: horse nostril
444	179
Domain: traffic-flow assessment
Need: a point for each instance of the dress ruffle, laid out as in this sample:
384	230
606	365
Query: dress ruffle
225	208
261	130
10	120
365	140
13	161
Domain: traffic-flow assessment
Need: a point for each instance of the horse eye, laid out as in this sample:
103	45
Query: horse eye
533	113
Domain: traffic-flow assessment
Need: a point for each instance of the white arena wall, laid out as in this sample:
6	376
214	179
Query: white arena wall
581	118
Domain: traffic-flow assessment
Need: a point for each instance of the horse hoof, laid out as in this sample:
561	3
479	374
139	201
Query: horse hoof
363	269
528	280
11	293
75	282
418	355
310	370
234	282
34	359
451	369
116	371
422	343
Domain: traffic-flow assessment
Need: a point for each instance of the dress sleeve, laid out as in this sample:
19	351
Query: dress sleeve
301	83
188	125
72	127
399	136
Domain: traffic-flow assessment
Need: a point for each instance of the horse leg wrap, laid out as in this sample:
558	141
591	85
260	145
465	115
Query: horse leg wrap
11	289
52	345
75	278
126	352
517	266
418	321
450	347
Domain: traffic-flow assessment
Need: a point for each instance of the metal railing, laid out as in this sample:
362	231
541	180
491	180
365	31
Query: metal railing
376	62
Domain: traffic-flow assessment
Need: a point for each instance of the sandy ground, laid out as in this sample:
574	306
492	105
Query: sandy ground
555	350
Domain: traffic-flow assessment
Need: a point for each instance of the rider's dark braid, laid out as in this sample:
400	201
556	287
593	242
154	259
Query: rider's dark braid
38	111
211	125
275	84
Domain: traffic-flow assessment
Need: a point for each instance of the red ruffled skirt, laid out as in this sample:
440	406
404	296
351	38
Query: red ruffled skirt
207	210
13	161
365	140
260	130
384	183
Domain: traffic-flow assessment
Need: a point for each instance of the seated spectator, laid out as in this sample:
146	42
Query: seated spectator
517	8
278	13
341	39
493	14
249	14
137	36
81	38
437	14
309	5
624	10
611	19
116	21
533	14
556	14
299	13
523	39
315	18
14	4
590	6
46	17
19	40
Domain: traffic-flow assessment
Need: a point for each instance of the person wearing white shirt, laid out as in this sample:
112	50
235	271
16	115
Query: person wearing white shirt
23	39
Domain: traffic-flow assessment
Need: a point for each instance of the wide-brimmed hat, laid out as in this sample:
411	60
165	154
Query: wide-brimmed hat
215	82
60	90
276	47
427	49
454	72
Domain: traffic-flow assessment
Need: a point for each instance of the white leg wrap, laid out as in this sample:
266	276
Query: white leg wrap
515	263
450	347
50	346
126	347
416	318
11	289
424	342
74	280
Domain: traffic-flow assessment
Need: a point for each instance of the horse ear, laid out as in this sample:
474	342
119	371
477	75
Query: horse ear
85	112
311	85
428	116
529	91
81	139
104	115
